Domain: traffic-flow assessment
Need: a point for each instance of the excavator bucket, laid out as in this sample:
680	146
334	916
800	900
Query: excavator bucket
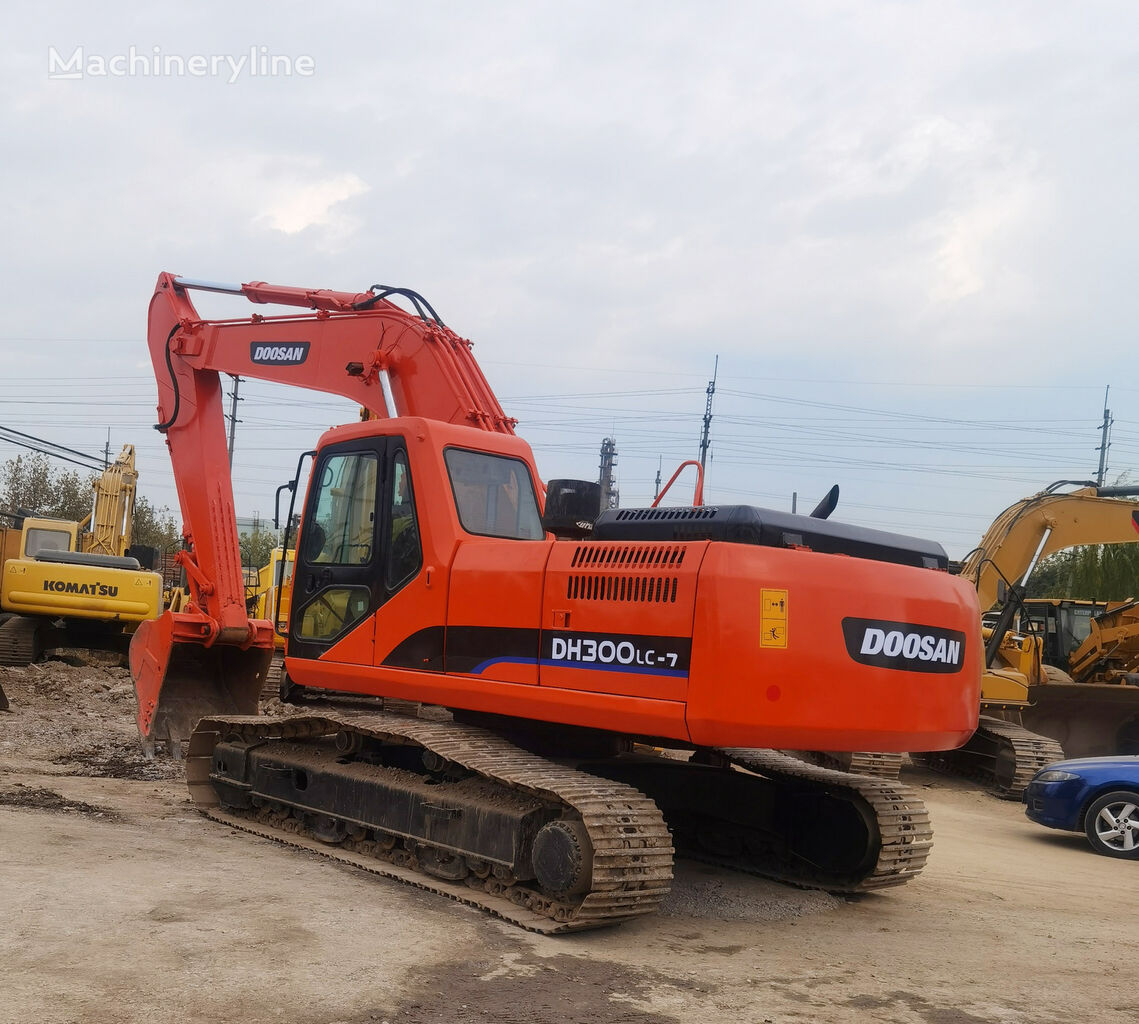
1088	719
178	682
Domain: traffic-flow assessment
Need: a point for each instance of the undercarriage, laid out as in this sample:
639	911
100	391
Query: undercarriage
1002	754
553	843
24	638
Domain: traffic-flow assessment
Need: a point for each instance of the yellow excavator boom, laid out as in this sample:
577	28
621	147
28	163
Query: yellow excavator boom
1043	524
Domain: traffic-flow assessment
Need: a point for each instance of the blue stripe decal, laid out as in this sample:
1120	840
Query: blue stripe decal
478	669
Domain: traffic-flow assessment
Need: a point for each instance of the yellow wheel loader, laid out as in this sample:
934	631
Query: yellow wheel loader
1088	698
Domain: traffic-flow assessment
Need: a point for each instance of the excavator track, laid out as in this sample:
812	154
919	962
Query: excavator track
898	816
859	762
771	814
20	641
631	867
272	686
1001	754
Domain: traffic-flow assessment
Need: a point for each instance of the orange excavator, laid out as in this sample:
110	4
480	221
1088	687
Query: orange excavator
486	669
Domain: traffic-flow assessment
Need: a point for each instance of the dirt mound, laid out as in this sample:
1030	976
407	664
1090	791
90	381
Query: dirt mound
115	760
48	800
80	718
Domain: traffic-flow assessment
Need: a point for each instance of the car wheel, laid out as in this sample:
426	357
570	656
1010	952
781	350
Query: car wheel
1112	824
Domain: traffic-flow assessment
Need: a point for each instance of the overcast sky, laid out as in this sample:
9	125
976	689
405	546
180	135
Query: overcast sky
908	230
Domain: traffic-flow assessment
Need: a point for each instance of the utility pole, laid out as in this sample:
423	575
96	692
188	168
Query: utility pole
656	490
610	497
708	415
1104	443
107	451
233	420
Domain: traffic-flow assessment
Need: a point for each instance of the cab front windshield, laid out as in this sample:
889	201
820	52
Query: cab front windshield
1076	625
41	539
494	495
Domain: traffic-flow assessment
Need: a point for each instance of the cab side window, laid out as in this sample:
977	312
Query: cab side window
405	555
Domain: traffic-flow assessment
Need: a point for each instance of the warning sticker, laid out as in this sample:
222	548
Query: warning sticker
773	615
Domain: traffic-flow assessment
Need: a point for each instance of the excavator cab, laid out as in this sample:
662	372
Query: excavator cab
44	536
1063	626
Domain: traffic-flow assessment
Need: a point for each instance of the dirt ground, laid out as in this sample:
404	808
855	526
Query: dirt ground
119	903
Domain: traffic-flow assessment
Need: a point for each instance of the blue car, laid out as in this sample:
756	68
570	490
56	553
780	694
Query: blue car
1098	796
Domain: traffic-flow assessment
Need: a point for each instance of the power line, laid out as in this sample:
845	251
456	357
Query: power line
45	447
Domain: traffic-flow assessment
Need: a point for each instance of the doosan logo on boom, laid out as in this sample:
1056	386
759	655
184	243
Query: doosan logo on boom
278	353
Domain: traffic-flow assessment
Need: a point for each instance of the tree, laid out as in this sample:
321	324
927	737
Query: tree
257	546
155	527
1095	572
31	482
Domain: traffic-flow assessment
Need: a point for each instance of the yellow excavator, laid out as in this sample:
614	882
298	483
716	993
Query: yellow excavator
270	600
1054	686
1090	651
1033	712
74	584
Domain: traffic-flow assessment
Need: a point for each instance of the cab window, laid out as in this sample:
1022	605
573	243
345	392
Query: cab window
404	551
340	527
333	612
494	495
39	540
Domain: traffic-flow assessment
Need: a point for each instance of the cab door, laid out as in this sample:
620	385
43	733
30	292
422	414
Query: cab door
337	579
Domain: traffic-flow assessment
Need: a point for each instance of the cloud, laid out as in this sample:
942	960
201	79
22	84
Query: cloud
292	207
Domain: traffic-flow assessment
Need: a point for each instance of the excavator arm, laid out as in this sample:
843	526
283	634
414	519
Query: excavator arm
361	346
109	525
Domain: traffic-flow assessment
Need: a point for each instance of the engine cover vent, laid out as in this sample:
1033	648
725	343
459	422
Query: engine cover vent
624	556
683	513
642	589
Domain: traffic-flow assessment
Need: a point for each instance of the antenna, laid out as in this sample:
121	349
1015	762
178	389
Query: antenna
708	414
1104	443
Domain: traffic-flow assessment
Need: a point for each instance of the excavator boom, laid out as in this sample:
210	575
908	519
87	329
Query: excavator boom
111	521
360	346
1040	525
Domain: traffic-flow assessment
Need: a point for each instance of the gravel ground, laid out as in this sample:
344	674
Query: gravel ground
121	903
